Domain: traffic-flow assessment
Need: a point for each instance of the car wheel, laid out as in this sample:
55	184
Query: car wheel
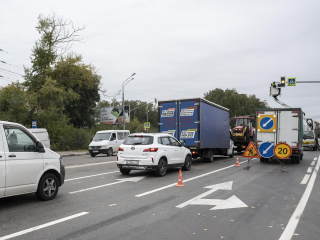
125	171
187	164
110	152
93	155
231	156
48	187
162	168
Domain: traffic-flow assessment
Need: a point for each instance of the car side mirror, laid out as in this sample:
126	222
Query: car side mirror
40	147
182	143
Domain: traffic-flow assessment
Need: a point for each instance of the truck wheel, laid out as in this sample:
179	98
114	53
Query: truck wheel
266	160
162	168
297	160
48	187
110	152
210	159
125	171
261	159
187	164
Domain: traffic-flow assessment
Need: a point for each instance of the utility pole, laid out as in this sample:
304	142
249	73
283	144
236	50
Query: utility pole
125	82
147	118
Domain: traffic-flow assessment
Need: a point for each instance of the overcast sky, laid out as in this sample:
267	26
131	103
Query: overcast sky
181	48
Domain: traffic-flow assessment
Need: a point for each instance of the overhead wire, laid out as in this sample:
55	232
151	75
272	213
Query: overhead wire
16	39
11	72
10	64
1	50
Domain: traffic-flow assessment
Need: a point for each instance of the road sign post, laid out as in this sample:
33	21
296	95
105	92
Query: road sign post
251	152
282	151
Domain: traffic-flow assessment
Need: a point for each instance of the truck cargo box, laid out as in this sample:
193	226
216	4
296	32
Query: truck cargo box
198	122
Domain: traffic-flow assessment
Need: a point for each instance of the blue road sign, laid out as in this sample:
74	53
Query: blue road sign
266	150
266	123
34	124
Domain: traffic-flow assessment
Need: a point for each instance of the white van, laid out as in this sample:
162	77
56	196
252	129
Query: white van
26	166
107	141
42	135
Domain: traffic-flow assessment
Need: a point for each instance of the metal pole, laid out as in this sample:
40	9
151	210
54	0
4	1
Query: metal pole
112	110
124	126
147	119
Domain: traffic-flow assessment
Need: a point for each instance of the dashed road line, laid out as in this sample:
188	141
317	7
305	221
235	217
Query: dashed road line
313	162
305	179
42	226
294	220
315	158
309	170
187	180
90	164
72	179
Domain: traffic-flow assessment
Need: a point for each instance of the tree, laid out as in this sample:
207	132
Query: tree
57	37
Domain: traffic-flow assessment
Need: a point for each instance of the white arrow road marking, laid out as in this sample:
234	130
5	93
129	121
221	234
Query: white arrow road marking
232	202
267	122
136	179
265	151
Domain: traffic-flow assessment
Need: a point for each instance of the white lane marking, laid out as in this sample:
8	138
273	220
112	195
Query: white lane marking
190	179
71	179
309	170
305	179
315	158
313	162
90	164
42	226
294	220
134	179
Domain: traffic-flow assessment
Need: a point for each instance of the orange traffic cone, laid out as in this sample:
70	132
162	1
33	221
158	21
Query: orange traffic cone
237	163
180	184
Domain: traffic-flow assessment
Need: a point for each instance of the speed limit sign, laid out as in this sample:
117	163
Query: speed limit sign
282	151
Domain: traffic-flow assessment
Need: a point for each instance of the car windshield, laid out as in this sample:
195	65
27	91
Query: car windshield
138	140
241	122
101	136
308	135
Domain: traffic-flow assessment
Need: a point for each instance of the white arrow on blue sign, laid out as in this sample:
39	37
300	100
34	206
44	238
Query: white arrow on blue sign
266	150
266	123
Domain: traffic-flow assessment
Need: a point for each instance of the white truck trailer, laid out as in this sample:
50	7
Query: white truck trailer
279	125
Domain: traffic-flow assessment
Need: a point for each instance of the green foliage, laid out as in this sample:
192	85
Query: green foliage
238	104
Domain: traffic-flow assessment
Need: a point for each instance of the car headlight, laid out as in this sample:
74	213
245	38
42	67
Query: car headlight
312	142
103	147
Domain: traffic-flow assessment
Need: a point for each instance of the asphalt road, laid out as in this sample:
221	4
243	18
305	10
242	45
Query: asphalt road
98	202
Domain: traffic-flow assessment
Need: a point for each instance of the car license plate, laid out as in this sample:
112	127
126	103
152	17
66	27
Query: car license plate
132	162
95	151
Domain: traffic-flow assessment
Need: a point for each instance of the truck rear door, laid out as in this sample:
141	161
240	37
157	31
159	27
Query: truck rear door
168	118
189	122
288	128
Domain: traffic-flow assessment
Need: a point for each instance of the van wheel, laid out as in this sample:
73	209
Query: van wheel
187	164
110	152
48	187
93	155
162	168
125	171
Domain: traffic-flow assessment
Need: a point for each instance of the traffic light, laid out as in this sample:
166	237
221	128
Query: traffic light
282	82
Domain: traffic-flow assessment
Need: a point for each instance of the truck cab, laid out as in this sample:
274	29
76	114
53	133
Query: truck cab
309	140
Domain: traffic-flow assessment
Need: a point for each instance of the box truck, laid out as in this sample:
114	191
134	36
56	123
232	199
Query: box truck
279	125
202	126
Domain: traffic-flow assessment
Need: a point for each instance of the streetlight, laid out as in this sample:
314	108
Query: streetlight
125	82
113	99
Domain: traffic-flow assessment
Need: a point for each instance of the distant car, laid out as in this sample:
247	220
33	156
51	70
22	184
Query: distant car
152	151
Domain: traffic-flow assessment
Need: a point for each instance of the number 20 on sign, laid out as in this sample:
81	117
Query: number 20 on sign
282	151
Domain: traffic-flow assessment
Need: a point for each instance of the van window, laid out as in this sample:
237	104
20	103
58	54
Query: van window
18	140
101	136
113	137
120	135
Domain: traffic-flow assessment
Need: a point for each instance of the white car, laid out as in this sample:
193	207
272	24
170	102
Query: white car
152	151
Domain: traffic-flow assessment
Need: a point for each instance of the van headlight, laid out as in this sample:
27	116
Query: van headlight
90	147
103	147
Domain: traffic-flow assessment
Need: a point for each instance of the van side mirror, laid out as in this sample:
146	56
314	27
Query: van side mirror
40	147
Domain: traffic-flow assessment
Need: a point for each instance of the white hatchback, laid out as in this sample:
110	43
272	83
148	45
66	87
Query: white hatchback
152	151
